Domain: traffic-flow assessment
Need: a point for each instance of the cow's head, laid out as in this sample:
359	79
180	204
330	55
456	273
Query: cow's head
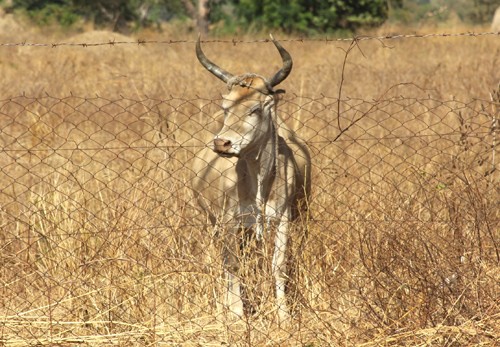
248	108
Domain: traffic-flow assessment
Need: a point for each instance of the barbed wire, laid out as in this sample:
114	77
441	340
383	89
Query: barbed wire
235	41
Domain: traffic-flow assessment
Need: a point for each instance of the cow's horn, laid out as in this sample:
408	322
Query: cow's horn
287	65
214	69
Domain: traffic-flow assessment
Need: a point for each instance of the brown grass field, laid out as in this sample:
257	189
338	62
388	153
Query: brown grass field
101	243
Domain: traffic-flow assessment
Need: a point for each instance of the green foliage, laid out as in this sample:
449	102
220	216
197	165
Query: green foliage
116	14
312	16
304	16
229	16
48	12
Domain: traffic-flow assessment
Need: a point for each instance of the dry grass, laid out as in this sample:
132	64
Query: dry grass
101	244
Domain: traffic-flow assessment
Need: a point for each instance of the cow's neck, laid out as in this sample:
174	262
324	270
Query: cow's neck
262	161
262	165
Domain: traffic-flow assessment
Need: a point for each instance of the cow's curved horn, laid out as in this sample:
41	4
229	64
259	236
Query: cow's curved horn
287	65
214	69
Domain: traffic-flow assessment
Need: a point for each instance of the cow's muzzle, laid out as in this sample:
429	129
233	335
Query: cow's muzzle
223	147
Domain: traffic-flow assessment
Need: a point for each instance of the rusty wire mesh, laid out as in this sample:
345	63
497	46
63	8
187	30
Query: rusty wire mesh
101	242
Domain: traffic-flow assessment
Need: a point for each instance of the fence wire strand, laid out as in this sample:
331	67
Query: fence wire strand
235	41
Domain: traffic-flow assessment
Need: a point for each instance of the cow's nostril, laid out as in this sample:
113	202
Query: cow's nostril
222	145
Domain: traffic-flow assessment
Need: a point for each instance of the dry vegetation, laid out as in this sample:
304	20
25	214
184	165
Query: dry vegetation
101	244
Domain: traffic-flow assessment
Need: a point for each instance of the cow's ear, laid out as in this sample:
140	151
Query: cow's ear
279	94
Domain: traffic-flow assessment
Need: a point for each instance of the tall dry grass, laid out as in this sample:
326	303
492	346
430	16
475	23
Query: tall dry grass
102	244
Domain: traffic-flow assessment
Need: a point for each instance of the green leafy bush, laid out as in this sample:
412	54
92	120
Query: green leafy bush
311	16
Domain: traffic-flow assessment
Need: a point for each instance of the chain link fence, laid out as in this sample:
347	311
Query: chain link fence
102	243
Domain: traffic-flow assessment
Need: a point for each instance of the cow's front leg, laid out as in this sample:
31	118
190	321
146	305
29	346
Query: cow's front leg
233	301
279	267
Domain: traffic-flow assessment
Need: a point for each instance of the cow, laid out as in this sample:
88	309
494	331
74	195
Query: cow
254	176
